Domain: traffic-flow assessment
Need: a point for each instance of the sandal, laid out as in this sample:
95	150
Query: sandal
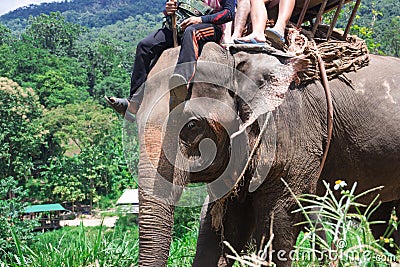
251	41
276	39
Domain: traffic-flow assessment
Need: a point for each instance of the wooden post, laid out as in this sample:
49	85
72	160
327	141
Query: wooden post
174	30
319	16
303	13
333	22
353	15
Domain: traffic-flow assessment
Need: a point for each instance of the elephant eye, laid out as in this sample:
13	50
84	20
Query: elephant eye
193	130
191	124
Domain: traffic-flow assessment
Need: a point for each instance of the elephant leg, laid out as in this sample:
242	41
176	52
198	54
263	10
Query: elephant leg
237	228
285	236
276	211
208	248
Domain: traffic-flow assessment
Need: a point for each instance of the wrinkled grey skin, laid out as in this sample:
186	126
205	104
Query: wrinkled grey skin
364	149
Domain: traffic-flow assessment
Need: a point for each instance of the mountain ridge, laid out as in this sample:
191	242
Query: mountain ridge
89	13
377	21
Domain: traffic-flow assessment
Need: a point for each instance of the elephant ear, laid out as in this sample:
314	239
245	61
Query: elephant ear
261	81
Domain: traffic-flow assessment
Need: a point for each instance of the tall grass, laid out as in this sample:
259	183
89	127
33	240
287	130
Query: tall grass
183	248
345	221
94	246
79	246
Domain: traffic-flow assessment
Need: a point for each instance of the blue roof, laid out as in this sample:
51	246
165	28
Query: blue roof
44	207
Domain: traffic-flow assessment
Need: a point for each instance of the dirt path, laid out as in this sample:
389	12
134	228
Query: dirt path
107	221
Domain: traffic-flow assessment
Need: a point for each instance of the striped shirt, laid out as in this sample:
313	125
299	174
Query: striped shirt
224	11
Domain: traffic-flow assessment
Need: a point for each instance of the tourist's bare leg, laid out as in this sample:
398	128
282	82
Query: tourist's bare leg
285	12
242	12
259	18
227	39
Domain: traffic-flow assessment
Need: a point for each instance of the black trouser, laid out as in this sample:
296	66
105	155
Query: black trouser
150	49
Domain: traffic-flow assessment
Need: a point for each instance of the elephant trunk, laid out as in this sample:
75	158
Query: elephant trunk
157	196
155	230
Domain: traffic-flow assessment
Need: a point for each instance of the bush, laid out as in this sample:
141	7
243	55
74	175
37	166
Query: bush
127	222
12	226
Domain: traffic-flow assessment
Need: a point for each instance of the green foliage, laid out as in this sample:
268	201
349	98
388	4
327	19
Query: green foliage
5	34
126	222
377	21
54	91
187	213
24	60
80	246
11	212
345	221
183	248
28	65
59	142
22	133
185	218
347	224
367	34
91	162
95	246
8	67
117	84
84	12
391	37
53	33
102	59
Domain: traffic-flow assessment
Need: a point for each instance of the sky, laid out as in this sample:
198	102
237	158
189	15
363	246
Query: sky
9	5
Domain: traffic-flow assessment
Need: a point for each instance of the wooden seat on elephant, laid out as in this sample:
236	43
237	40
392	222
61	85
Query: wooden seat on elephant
312	11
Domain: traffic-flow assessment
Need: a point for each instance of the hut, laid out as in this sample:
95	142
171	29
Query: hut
129	201
48	215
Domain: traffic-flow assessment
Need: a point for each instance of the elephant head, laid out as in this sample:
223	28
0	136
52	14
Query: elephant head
207	139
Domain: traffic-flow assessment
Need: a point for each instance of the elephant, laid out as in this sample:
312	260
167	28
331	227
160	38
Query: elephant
364	148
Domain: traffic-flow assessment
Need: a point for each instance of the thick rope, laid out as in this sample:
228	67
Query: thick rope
329	107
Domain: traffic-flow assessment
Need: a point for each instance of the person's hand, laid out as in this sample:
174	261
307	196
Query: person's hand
190	21
170	7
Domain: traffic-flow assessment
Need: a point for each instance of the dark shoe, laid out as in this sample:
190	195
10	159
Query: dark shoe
120	105
178	90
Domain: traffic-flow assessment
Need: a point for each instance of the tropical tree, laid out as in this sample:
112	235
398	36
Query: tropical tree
21	131
53	32
5	34
54	91
90	163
